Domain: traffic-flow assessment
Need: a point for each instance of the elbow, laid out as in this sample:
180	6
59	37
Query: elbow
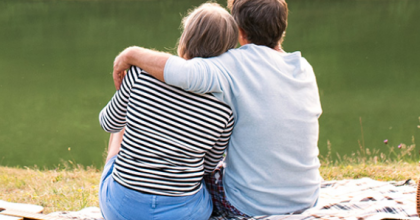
111	129
109	125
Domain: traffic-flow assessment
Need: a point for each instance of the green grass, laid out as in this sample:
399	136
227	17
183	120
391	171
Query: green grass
381	171
72	187
75	188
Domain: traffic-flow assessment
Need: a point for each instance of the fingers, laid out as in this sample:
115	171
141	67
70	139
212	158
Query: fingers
121	64
119	71
117	79
122	75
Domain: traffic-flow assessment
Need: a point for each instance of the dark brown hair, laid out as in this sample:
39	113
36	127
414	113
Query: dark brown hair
209	31
263	21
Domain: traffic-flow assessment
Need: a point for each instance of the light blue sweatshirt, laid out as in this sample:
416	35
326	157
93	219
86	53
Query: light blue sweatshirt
272	159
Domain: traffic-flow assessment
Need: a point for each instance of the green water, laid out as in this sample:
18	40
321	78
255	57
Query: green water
56	62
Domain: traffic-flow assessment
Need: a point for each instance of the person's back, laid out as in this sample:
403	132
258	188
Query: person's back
172	137
271	164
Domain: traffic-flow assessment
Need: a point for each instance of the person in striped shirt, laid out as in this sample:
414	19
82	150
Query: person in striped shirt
171	137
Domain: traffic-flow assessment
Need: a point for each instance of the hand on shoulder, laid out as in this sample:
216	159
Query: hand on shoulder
121	64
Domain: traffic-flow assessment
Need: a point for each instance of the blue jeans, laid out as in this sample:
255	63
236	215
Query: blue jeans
119	203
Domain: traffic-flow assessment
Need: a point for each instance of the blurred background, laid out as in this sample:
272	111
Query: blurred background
56	61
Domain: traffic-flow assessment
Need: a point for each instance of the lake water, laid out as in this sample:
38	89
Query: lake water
56	62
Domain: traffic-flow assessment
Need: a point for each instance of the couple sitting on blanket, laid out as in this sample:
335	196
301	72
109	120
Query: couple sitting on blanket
173	117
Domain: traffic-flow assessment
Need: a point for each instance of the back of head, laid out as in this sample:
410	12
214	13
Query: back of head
209	31
263	21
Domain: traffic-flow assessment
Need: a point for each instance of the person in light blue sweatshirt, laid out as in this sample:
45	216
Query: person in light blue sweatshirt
272	165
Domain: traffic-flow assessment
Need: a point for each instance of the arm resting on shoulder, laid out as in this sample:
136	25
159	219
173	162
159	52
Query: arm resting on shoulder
194	75
151	61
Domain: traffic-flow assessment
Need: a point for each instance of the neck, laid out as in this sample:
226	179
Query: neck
279	49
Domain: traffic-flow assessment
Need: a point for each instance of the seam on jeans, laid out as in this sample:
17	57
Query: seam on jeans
154	202
112	209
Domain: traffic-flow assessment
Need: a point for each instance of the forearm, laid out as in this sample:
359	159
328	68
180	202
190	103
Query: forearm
212	159
114	144
151	61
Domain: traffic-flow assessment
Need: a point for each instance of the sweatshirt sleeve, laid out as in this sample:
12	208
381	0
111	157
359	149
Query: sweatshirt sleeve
197	75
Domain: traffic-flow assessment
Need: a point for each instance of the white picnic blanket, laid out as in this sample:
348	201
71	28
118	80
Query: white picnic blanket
359	199
365	199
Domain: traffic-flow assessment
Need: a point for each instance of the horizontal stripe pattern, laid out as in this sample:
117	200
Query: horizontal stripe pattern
172	137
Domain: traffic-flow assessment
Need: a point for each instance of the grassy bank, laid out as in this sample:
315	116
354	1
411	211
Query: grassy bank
76	188
72	187
68	189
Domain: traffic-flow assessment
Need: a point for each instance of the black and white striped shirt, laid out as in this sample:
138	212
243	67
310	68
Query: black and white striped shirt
172	137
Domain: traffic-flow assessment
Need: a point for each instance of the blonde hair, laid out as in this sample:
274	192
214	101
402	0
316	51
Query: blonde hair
208	31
